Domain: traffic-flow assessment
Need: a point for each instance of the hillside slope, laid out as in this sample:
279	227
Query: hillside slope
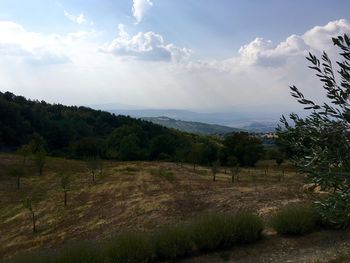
73	131
191	126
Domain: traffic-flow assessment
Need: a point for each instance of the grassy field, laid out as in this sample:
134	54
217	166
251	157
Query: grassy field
128	195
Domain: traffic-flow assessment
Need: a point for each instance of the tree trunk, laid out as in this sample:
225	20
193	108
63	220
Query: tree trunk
233	178
214	177
65	198
18	182
34	226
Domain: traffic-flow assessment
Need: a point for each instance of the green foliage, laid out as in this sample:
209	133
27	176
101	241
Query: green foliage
209	232
248	227
65	181
295	219
94	166
25	150
82	132
245	148
27	204
319	143
32	257
129	247
224	230
79	252
40	160
173	242
215	169
17	172
335	210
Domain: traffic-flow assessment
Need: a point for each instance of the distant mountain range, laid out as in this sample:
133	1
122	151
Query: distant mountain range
258	119
191	126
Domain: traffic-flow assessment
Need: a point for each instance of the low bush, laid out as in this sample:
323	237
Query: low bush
224	230
248	227
173	242
295	219
80	252
205	233
129	247
209	231
31	257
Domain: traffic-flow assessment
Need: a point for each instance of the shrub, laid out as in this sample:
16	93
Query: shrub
80	252
225	230
209	231
173	242
129	247
248	227
295	219
44	256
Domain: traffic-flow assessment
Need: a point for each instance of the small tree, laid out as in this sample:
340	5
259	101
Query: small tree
27	204
25	150
195	154
65	185
40	160
235	169
215	169
319	143
94	165
17	172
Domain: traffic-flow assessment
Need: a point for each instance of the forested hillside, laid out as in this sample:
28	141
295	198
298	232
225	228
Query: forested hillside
83	132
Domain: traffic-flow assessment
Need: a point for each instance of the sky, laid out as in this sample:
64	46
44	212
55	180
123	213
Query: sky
178	54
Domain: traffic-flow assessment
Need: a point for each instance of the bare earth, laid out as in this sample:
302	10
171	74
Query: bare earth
135	195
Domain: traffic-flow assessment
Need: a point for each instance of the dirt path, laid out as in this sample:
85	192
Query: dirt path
322	246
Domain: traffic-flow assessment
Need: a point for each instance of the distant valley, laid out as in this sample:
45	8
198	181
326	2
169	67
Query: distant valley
204	122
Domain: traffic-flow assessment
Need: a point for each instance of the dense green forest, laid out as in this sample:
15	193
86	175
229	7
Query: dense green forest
81	132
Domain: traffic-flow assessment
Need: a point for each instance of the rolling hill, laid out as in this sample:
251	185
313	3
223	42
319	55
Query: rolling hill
191	126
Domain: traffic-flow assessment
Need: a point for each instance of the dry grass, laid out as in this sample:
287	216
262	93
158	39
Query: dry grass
127	196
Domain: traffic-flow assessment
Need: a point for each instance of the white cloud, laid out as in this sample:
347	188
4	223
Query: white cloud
264	53
260	73
80	19
140	8
35	48
145	46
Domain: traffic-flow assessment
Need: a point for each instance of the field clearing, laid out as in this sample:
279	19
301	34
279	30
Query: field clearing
129	195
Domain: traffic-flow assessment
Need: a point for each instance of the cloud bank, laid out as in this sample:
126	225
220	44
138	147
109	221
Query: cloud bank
147	70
